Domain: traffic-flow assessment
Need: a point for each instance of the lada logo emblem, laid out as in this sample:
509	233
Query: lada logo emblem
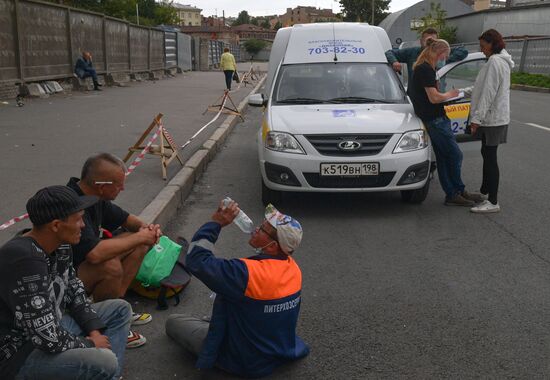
349	145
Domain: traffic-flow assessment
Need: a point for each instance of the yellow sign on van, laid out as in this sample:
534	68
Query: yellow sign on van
458	113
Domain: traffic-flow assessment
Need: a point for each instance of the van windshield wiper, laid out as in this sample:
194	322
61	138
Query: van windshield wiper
357	99
303	101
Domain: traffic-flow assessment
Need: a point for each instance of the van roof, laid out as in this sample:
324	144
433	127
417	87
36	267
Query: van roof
347	42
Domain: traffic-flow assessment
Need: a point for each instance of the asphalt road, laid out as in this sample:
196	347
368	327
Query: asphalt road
391	290
47	141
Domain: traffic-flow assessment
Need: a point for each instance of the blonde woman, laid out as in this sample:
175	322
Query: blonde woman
228	66
428	106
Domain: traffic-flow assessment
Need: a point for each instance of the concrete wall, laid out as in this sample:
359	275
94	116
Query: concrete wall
531	21
40	41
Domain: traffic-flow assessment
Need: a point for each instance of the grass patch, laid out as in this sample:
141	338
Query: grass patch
537	80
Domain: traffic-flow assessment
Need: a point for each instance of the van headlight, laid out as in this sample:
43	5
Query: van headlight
412	140
283	142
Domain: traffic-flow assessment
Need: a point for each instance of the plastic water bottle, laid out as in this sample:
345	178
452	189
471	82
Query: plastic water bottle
241	220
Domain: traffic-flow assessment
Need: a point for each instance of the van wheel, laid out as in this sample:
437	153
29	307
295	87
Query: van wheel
271	196
418	195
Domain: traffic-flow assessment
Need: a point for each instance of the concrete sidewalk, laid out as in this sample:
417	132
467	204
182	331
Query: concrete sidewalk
46	141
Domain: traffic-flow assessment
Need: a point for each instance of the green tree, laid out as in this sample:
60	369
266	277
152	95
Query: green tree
265	24
242	18
150	12
361	10
435	18
165	14
254	21
254	46
278	25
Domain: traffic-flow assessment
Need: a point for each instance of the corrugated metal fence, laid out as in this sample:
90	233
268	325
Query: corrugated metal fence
185	52
215	51
531	55
42	41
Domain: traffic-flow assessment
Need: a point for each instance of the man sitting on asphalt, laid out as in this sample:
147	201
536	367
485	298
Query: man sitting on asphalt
107	266
409	55
253	325
84	68
48	330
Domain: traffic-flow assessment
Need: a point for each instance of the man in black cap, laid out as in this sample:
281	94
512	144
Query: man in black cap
48	330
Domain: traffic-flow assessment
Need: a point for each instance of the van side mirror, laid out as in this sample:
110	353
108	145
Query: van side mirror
257	100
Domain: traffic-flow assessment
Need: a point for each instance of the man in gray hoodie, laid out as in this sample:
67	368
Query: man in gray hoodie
490	113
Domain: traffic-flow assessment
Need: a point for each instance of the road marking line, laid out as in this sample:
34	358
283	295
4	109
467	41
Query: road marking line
538	126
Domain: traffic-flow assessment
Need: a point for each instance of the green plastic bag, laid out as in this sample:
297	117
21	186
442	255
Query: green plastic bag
158	262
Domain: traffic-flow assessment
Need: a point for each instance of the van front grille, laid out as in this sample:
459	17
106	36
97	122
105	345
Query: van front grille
333	145
381	180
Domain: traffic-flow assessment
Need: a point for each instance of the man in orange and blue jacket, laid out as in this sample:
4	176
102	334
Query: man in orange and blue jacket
252	329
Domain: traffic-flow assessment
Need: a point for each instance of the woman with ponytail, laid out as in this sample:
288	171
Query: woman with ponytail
428	106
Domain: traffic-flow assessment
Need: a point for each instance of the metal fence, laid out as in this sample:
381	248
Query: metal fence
531	55
185	52
41	41
215	51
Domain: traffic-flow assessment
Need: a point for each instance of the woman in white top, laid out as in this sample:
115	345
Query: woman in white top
490	113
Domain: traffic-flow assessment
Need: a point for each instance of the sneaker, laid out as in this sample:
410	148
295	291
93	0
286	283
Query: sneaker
135	340
485	208
141	318
475	197
459	200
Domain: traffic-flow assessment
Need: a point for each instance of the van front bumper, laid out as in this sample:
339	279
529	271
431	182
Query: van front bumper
296	172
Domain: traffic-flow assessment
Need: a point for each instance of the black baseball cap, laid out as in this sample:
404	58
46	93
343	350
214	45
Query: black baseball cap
56	202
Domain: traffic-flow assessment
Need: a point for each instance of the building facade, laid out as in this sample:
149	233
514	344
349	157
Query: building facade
188	14
304	15
249	31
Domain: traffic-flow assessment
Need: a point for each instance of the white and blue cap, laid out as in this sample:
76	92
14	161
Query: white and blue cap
289	230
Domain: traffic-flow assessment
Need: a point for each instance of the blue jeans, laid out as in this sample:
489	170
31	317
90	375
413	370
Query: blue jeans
87	73
228	78
447	154
85	363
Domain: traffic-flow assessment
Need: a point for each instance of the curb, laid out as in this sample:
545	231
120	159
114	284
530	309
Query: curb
524	87
166	204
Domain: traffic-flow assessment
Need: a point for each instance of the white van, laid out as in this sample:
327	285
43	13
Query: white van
337	118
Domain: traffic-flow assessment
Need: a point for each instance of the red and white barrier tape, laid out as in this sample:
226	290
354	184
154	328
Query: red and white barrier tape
140	156
131	168
11	222
244	78
169	137
207	124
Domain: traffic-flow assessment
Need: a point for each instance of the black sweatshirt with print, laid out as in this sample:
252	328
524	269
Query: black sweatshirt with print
36	289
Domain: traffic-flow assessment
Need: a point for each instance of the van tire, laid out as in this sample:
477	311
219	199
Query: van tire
271	196
418	195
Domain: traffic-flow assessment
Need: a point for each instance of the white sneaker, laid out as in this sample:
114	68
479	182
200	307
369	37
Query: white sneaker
141	318
135	340
485	207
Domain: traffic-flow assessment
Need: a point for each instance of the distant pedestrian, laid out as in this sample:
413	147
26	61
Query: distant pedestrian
228	66
428	106
409	55
490	113
84	68
252	330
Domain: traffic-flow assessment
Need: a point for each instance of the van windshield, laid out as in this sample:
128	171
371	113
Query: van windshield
317	83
